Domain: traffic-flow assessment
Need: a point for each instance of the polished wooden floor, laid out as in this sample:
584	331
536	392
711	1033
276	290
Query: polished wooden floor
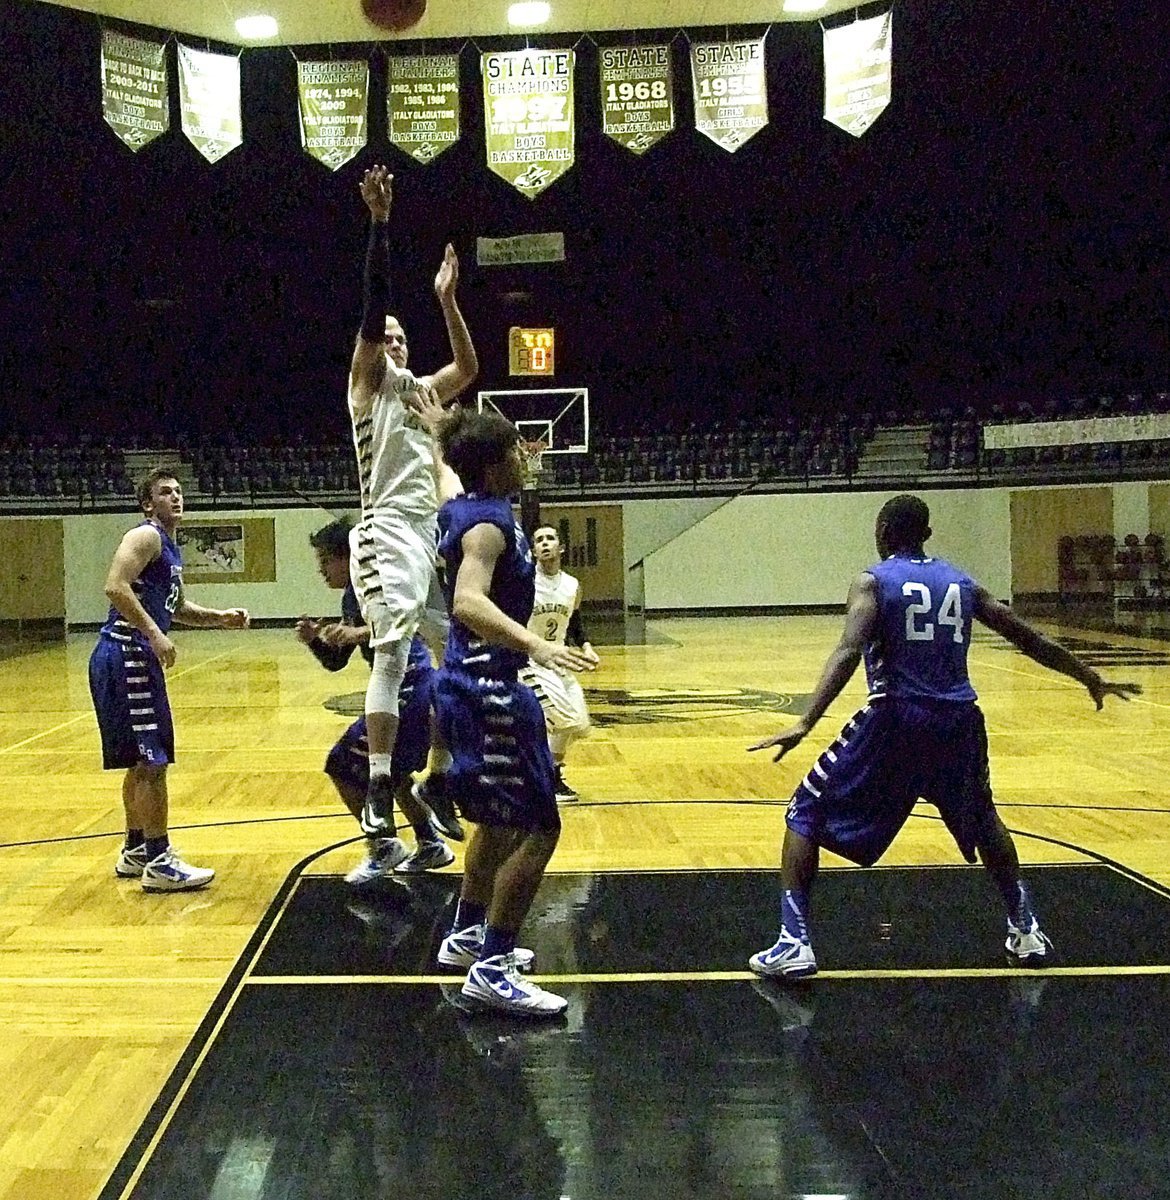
102	986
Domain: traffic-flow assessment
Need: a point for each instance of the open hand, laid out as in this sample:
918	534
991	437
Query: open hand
552	654
377	191
1100	688
448	276
786	739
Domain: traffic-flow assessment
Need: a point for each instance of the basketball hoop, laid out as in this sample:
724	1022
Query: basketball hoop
533	461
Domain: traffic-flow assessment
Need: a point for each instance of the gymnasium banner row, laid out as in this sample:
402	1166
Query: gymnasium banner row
529	98
1091	430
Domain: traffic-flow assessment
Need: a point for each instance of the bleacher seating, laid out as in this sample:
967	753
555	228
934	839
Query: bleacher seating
770	450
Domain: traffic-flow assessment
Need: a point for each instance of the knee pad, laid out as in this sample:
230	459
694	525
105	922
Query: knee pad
386	677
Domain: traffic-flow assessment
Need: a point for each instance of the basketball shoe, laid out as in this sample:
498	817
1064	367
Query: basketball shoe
496	983
791	957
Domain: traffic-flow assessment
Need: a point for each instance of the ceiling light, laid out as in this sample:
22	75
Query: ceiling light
803	5
531	12
257	27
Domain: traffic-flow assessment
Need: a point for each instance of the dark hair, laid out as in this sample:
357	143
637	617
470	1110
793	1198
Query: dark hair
332	538
907	522
547	525
145	489
472	442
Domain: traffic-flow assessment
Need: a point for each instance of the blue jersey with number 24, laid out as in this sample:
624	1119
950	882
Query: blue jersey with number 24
924	629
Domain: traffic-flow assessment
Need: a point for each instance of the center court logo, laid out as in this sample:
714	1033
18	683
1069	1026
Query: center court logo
656	706
610	707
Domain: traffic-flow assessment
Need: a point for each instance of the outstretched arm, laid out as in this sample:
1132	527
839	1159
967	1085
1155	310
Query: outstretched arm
450	380
1045	651
369	356
861	619
199	617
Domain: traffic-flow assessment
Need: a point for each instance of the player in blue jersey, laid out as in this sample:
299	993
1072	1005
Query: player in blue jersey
920	734
502	770
145	589
348	763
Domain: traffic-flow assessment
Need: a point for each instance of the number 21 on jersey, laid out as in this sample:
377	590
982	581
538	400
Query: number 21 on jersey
950	612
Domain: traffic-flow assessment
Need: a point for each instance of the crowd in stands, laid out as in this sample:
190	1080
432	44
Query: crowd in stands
816	449
38	465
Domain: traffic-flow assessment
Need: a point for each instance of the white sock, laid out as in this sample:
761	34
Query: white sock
379	764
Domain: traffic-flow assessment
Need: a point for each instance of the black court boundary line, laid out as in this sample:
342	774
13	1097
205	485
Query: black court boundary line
134	1156
603	804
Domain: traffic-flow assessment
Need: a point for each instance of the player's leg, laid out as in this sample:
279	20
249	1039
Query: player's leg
853	801
134	718
566	716
164	871
348	768
410	755
524	803
962	794
391	566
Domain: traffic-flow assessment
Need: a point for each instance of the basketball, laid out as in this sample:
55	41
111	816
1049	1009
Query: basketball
396	15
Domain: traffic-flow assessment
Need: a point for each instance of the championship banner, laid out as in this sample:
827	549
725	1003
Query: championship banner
332	111
731	95
209	99
637	95
135	103
422	104
528	116
858	73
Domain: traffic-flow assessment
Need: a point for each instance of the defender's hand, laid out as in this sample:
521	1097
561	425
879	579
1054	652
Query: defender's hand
1100	688
786	739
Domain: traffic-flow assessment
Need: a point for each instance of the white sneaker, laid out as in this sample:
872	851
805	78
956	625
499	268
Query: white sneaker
169	873
1028	947
382	856
428	856
791	957
464	948
496	983
131	862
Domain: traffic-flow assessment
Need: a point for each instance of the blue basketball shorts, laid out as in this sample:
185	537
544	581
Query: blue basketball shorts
349	760
130	698
892	753
502	773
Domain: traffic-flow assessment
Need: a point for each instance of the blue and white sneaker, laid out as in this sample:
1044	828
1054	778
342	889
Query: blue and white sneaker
428	856
169	873
791	957
375	817
382	856
131	862
1028	946
433	794
496	983
464	948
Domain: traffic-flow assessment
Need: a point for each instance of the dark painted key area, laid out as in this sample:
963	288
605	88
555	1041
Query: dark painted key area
1004	1085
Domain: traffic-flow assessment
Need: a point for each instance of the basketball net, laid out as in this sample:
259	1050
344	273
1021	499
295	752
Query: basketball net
533	462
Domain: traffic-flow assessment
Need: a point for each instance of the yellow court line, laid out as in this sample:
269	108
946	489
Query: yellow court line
81	981
89	715
718	976
1059	681
184	1087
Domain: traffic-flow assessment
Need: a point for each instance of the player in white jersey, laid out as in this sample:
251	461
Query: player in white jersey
556	618
392	547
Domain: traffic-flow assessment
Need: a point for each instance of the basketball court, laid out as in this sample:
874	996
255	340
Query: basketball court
278	1035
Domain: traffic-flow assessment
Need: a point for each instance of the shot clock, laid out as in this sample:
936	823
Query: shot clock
530	351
